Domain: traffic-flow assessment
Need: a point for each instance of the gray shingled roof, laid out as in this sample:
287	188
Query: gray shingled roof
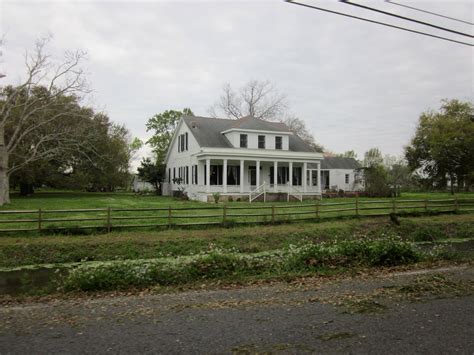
339	163
207	131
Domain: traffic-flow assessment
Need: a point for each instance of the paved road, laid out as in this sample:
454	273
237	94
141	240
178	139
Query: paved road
339	316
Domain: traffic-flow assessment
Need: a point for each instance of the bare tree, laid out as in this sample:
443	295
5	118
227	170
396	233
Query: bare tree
298	127
33	124
258	99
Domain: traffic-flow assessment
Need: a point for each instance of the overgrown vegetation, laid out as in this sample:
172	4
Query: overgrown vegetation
223	264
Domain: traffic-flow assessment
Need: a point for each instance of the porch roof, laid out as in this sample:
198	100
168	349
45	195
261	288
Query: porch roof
258	154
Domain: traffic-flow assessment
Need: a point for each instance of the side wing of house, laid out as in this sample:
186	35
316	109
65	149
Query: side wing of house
181	163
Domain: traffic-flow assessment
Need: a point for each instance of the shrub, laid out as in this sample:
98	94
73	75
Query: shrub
219	263
216	196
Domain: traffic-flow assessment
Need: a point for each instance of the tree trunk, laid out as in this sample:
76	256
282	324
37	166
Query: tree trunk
4	178
452	183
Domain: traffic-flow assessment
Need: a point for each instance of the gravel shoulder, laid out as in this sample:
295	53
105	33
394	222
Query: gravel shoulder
422	311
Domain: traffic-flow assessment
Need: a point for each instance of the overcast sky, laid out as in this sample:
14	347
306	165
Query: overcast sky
357	85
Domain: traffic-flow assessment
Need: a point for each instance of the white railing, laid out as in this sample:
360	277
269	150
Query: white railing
258	192
292	191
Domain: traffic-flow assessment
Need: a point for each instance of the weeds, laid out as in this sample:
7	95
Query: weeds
217	264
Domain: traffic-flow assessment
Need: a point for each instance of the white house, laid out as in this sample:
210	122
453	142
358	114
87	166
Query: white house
245	158
339	173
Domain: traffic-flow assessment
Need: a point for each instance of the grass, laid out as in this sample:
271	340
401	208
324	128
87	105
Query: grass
192	211
130	245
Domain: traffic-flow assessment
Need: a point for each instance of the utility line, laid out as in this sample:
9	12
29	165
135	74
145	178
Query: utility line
406	18
378	23
429	12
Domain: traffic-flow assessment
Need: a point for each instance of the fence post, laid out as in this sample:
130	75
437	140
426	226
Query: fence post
456	204
317	209
109	212
224	215
39	220
394	207
273	213
426	205
357	205
169	217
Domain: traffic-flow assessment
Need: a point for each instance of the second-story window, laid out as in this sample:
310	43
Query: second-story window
278	143
261	142
243	141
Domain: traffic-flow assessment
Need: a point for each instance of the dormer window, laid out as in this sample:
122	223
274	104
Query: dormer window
261	142
278	142
243	141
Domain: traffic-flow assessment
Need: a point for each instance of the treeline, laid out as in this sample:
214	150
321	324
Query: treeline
440	155
49	138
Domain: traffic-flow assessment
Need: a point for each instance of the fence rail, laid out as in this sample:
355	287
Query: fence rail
107	219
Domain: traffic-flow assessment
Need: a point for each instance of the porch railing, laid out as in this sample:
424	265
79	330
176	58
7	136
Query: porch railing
259	191
292	191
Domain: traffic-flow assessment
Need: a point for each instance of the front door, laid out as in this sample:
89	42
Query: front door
252	176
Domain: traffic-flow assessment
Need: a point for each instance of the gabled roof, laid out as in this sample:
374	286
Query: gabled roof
339	163
208	131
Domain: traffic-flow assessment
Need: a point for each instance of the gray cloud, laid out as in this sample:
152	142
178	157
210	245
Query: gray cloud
357	85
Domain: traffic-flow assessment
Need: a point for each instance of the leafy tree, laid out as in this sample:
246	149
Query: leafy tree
443	145
163	126
109	168
152	173
39	117
375	174
373	157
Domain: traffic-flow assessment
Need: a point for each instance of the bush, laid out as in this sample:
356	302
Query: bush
222	264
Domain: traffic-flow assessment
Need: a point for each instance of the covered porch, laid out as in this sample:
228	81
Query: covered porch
239	177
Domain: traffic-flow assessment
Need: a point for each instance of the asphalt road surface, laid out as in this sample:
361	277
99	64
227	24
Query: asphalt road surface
372	314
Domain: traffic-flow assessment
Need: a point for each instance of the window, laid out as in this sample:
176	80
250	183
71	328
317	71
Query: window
283	173
174	173
187	175
215	176
233	175
278	143
347	178
196	174
243	141
183	142
261	142
297	176
169	175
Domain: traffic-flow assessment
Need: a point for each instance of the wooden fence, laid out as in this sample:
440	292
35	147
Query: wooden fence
106	219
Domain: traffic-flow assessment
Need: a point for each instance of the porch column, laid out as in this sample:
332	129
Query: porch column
257	172
319	177
305	172
241	176
224	176
290	173
275	176
208	175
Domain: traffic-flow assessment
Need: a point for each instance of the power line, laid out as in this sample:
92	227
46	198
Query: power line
406	18
378	23
429	12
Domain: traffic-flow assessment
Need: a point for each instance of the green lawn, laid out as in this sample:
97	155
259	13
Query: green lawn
124	211
143	244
